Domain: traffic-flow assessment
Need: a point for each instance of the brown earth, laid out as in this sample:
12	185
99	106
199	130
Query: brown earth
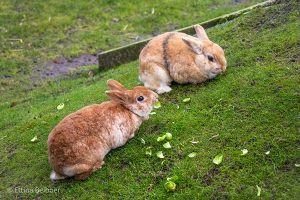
63	66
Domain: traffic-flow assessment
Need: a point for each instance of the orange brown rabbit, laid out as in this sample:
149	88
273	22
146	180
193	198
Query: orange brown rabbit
179	57
79	143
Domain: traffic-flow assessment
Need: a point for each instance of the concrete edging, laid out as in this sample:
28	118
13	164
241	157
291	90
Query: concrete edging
125	54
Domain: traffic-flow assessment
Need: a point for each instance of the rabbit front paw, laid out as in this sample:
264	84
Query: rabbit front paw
163	89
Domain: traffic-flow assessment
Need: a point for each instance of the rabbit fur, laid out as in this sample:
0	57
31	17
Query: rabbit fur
78	144
175	56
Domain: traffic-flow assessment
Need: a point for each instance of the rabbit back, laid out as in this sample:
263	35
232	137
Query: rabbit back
166	58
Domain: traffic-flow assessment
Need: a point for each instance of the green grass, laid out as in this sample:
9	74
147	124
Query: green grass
254	105
55	28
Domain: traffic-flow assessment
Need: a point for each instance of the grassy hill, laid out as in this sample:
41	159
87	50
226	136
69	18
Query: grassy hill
36	32
253	106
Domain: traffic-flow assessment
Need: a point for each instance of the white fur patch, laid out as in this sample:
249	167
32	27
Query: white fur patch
160	78
119	139
55	176
144	112
69	171
164	77
163	89
211	75
119	131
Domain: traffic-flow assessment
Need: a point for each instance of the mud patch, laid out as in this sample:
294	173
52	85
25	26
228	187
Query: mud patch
63	66
123	165
11	151
220	193
239	1
288	166
208	177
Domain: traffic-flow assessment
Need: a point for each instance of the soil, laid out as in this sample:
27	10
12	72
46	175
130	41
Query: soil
63	66
208	177
239	1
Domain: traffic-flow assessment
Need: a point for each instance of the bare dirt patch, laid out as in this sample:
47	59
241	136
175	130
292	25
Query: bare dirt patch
208	177
63	66
239	1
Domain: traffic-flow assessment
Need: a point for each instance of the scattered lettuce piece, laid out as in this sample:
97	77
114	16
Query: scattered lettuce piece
186	100
149	152
258	190
167	145
192	155
160	154
168	136
125	27
152	11
143	141
162	138
157	105
173	178
218	159
60	106
34	139
170	186
194	142
244	152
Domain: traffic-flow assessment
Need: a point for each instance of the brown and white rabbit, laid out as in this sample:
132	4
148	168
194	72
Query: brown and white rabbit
175	56
79	143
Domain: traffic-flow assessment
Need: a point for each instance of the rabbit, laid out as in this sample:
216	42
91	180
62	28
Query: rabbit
79	143
175	56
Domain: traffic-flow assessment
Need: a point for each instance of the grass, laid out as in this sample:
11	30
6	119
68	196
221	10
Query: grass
33	33
254	105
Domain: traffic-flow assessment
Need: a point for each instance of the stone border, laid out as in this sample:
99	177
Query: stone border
125	54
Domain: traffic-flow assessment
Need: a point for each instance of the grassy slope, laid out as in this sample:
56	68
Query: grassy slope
67	28
255	105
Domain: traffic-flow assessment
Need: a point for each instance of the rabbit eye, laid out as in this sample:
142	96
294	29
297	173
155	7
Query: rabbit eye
210	58
140	98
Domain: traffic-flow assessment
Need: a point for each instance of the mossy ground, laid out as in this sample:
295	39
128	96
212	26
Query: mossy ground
254	105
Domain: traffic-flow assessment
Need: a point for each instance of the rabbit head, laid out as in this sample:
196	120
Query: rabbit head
139	100
209	56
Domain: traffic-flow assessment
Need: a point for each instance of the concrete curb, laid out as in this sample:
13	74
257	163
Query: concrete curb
128	53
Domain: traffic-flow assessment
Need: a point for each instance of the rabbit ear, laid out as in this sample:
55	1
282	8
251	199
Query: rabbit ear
115	85
200	32
118	96
193	45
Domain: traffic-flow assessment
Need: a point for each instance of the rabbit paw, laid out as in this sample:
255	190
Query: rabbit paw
163	89
55	176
